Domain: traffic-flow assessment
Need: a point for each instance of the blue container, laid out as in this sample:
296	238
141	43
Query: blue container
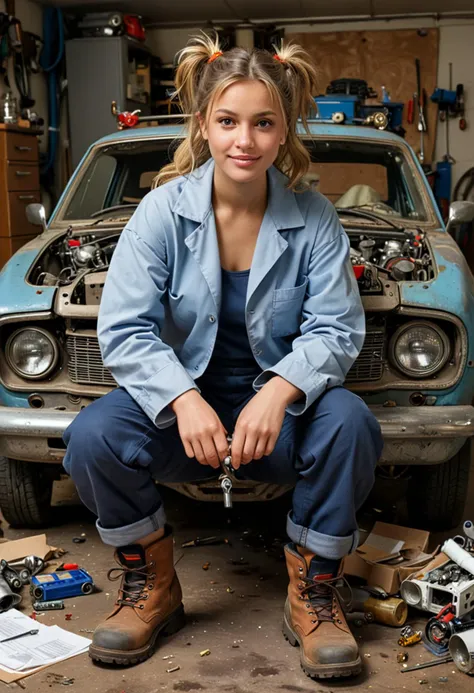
64	583
327	105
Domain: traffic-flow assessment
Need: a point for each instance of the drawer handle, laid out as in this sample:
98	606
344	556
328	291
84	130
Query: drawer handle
23	173
23	148
26	197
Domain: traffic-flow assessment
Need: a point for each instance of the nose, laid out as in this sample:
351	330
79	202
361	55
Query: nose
244	139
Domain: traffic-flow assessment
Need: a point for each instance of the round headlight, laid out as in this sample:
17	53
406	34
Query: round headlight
419	349
32	353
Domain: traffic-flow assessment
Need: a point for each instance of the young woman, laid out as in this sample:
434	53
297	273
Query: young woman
230	307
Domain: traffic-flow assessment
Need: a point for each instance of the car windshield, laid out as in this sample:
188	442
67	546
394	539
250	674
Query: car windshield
353	174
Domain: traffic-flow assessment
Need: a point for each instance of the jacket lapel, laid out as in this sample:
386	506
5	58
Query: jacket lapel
203	245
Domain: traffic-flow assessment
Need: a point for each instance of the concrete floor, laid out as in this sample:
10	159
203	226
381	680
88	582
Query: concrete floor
234	609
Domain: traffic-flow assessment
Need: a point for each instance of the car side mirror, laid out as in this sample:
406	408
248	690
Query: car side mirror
36	214
460	212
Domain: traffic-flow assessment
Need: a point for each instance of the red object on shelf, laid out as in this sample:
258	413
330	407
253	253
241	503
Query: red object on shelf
358	270
127	119
134	26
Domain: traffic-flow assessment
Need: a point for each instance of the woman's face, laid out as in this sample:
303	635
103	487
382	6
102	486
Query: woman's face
244	129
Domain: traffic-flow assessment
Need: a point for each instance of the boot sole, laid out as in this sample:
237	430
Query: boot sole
172	625
321	671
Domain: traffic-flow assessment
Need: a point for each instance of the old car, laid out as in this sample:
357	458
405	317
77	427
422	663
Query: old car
415	370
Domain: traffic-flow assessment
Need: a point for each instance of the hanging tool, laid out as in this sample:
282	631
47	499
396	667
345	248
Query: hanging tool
421	100
448	106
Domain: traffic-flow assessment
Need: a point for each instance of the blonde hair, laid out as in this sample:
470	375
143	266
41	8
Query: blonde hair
204	72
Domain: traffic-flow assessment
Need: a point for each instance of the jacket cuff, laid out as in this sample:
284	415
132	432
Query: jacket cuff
157	395
301	375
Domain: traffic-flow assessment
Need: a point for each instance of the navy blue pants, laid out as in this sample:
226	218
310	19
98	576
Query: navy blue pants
114	452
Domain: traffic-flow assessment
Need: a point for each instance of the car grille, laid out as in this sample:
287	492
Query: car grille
85	362
369	364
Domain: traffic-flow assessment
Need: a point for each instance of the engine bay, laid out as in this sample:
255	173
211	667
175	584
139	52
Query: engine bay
82	259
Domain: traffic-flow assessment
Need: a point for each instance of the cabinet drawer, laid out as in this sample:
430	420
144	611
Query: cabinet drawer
14	146
22	176
14	222
9	246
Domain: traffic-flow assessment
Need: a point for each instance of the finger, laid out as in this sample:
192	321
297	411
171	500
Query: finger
199	452
260	449
271	445
188	448
222	446
237	447
210	452
251	441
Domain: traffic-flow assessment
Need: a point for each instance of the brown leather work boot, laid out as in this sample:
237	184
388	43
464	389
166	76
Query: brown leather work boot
314	620
148	604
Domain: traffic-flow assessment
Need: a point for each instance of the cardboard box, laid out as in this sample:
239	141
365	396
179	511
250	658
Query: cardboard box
389	555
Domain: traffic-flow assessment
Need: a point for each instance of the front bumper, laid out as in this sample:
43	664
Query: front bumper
412	435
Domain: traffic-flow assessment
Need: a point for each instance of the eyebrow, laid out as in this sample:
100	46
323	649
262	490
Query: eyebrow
263	113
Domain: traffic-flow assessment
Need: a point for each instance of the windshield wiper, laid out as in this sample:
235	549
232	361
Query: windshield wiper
115	208
357	212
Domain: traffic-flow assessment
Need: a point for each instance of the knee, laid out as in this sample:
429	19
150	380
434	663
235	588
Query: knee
86	439
353	418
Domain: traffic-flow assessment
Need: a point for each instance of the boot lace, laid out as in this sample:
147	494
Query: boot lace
320	596
134	586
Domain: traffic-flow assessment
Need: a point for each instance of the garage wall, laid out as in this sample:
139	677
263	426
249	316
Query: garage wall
30	15
456	45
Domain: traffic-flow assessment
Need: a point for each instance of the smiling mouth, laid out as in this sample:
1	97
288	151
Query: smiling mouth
245	158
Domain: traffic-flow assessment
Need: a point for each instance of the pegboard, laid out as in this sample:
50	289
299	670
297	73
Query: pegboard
381	58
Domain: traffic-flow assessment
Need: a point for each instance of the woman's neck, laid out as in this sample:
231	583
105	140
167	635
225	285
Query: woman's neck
239	197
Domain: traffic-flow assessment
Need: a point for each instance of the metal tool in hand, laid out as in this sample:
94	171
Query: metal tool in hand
226	477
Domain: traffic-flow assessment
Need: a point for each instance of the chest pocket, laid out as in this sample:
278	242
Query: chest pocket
287	305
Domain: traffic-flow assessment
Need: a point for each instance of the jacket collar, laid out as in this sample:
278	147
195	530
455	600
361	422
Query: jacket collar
195	199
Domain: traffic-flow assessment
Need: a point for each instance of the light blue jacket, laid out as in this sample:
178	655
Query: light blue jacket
159	313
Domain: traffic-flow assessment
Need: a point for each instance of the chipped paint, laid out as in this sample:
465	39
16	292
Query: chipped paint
16	295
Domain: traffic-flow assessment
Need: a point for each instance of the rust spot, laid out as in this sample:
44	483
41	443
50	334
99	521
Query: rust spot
442	268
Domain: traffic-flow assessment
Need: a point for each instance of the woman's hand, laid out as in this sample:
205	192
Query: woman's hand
260	421
200	429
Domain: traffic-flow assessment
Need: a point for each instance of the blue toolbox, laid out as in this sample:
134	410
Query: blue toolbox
345	102
64	583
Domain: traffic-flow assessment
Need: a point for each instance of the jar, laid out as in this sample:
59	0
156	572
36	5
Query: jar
8	108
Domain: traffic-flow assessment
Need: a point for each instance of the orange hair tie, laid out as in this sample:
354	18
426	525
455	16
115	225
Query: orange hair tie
280	60
214	56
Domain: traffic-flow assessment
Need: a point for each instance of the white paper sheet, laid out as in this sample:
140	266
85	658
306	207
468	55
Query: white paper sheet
52	644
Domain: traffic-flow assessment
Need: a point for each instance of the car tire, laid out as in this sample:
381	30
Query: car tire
87	588
25	493
437	493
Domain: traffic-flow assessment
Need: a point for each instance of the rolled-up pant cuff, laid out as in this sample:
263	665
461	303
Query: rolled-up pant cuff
122	536
323	545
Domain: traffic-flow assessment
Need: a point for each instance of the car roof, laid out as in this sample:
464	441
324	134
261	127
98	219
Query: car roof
316	129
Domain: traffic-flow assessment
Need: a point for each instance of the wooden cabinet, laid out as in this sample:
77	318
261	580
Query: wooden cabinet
19	186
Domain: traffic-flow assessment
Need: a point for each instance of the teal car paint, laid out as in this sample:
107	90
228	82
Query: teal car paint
52	286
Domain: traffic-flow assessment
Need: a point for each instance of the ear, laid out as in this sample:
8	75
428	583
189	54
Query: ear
202	125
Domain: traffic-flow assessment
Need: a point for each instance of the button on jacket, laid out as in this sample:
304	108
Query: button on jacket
160	307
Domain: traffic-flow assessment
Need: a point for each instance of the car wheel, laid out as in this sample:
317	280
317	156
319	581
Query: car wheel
25	493
87	587
437	493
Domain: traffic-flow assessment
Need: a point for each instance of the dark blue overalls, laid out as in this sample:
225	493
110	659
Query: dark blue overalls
115	451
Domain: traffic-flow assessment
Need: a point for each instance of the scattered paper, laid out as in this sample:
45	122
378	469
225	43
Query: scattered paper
50	645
